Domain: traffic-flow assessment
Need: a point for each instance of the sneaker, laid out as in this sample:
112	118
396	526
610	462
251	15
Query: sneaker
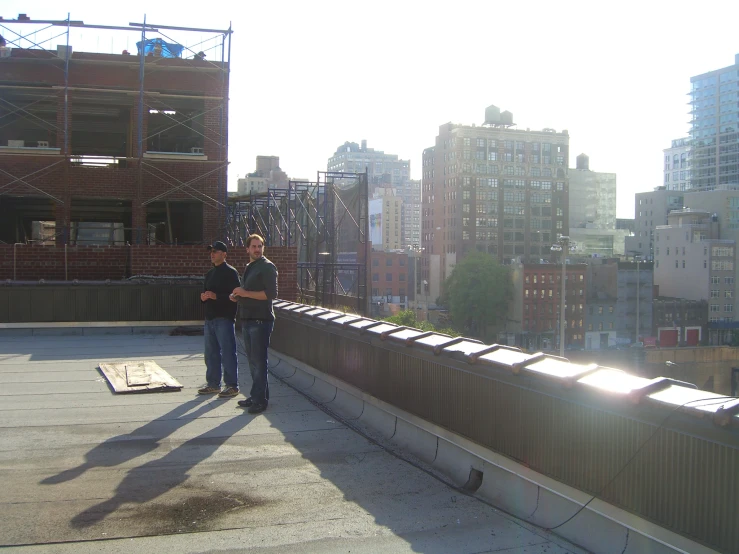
245	403
209	390
256	408
228	392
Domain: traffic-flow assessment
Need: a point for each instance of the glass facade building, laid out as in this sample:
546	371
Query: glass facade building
714	99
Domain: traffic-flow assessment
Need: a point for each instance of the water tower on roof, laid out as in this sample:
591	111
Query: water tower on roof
583	162
495	118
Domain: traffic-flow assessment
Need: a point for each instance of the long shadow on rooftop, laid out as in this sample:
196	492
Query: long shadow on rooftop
157	477
123	448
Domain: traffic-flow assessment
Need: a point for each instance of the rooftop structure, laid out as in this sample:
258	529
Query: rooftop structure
101	148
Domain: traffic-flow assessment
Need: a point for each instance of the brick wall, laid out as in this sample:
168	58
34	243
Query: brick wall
134	183
55	176
118	262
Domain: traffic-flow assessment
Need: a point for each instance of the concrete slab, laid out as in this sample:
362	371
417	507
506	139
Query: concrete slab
180	472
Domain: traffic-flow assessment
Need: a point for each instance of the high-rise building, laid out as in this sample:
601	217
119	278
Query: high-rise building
410	192
592	196
385	171
492	188
714	134
385	221
382	169
267	175
678	159
650	210
693	262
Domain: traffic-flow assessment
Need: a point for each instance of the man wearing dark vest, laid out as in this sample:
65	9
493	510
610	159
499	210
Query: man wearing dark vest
220	337
255	295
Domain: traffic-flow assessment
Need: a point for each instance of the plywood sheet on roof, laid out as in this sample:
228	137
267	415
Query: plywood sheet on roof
138	376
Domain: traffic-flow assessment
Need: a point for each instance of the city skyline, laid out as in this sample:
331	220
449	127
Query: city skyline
307	78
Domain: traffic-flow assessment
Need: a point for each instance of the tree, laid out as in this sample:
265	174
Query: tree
478	293
408	318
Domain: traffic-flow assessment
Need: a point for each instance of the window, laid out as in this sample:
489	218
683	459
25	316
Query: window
375	262
388	262
728	307
388	277
375	276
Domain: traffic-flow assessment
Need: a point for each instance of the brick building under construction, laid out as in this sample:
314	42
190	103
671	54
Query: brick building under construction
111	149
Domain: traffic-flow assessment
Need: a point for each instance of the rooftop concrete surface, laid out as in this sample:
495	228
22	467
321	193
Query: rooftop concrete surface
86	470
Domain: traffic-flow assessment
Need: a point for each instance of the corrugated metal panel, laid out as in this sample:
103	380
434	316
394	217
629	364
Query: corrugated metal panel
19	305
109	302
4	295
130	306
64	305
85	304
597	444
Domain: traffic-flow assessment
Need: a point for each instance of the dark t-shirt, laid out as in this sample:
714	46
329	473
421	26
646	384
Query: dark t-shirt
221	279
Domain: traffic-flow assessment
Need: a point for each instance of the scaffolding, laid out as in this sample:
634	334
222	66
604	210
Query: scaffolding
218	44
327	222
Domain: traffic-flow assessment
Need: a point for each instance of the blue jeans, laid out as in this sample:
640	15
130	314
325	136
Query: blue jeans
220	349
256	335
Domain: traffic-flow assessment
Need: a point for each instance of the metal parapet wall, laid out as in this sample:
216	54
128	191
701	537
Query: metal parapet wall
114	301
658	448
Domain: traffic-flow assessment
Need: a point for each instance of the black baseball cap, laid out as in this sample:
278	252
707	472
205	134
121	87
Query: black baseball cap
218	245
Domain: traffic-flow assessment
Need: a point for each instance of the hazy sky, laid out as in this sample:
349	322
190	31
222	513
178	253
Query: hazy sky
308	76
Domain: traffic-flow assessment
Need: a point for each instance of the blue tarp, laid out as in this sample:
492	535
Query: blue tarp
157	46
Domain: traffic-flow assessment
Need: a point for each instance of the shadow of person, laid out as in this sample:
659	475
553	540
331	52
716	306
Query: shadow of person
152	479
123	448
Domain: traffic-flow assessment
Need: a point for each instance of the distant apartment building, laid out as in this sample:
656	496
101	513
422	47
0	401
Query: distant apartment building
722	201
384	171
390	282
592	197
650	211
677	164
714	133
410	193
679	321
267	175
534	320
601	317
634	305
692	262
495	189
385	211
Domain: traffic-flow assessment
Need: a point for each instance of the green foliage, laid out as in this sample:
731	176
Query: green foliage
478	293
408	318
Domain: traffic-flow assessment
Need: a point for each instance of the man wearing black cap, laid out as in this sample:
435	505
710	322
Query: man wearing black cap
220	313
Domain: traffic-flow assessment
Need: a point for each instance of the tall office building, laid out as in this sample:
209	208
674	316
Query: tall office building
385	171
678	159
492	188
410	192
714	133
650	210
382	169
